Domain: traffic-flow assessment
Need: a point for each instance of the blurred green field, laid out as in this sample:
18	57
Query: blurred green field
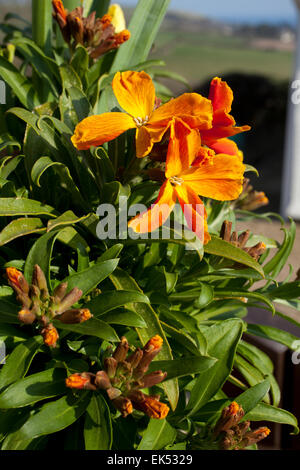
199	57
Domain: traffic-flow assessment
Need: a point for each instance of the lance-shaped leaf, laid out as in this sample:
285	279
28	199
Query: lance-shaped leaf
158	435
98	425
19	228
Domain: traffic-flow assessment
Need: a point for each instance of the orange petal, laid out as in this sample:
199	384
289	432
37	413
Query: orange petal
146	137
192	108
95	130
183	147
226	146
220	132
221	180
153	218
194	211
135	93
221	95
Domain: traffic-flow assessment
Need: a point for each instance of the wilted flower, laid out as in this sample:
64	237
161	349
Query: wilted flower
240	240
98	35
124	376
250	199
39	306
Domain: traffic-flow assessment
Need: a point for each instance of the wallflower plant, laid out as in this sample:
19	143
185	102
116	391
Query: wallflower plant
129	343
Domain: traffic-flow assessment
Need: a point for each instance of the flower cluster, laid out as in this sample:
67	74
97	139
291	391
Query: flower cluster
241	240
234	434
123	376
98	35
41	307
200	159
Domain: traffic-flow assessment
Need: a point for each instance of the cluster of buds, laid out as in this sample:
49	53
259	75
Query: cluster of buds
241	240
250	200
98	35
123	377
234	435
41	307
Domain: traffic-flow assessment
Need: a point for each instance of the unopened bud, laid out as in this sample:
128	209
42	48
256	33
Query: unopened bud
83	381
74	316
110	366
26	316
60	291
231	415
17	280
124	405
152	379
253	437
150	350
135	358
149	405
69	299
113	393
121	350
102	380
39	279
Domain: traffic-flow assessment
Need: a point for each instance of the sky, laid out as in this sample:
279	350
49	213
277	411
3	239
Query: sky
235	10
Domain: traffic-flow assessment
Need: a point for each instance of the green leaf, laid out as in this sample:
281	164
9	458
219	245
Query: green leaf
51	418
8	312
109	300
251	397
222	339
67	218
158	435
42	24
92	327
220	247
220	293
34	388
124	317
19	360
89	278
11	206
19	228
264	412
183	366
98	425
20	85
40	253
275	265
143	27
123	281
280	336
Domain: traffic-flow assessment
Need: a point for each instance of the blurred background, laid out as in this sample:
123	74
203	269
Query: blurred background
251	45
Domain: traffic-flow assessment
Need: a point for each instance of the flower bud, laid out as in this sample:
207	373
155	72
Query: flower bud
124	405
17	280
69	299
121	350
231	415
135	358
113	393
152	379
59	292
26	316
39	280
50	335
83	381
150	350
149	405
102	380
74	316
110	366
253	437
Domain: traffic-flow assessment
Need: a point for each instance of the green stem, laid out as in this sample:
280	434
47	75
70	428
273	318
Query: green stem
42	24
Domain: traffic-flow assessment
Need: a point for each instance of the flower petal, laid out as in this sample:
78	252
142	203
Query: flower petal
183	146
146	137
159	212
226	146
221	95
95	130
192	108
221	132
222	180
135	93
194	211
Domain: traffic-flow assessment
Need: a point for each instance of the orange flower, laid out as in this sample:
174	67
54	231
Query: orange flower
234	408
215	176
14	277
152	407
135	93
223	125
59	9
156	342
50	335
77	381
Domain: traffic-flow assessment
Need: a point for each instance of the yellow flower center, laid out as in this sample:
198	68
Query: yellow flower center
141	121
174	180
